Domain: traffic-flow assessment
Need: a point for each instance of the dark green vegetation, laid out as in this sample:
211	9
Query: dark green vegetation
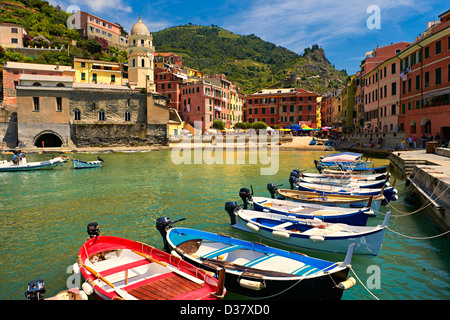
249	61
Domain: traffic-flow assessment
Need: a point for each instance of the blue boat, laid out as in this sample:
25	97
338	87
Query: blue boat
256	270
333	214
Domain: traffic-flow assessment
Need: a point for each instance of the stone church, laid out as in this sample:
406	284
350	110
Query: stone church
55	111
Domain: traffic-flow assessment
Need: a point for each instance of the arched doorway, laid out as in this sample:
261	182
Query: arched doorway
425	123
48	140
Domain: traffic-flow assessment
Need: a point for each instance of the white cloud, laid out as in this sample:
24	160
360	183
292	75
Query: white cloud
100	6
298	24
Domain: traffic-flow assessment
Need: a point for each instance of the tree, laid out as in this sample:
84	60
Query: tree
240	125
259	125
218	124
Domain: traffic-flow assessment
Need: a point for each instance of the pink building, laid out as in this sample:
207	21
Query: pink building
380	83
13	70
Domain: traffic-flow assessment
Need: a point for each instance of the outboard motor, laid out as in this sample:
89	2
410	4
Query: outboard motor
292	180
162	224
35	290
316	162
231	207
246	196
93	230
99	159
272	188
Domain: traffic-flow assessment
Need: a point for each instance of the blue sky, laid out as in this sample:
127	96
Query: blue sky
339	27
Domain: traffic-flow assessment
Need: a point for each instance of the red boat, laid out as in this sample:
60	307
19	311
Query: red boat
122	269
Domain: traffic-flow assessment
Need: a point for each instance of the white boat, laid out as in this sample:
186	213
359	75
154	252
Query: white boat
8	166
78	164
312	233
362	177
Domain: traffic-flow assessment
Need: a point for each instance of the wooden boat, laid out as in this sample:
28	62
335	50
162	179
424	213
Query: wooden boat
78	164
390	193
117	268
8	166
353	216
256	270
311	234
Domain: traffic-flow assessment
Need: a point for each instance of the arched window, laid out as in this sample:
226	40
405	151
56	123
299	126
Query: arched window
143	63
101	115
36	84
127	116
133	63
77	114
60	85
142	42
134	42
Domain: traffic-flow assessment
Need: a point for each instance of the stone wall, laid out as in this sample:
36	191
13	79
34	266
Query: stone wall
8	129
108	134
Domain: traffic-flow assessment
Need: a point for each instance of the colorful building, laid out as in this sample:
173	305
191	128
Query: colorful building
94	71
425	82
91	26
11	35
282	107
13	70
379	71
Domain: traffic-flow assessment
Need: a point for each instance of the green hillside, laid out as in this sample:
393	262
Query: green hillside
247	60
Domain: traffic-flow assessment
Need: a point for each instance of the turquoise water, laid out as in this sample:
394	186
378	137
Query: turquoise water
44	214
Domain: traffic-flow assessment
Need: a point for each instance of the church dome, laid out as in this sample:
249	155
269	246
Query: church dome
139	29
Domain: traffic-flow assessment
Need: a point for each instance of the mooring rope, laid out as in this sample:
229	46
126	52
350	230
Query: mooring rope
418	238
354	273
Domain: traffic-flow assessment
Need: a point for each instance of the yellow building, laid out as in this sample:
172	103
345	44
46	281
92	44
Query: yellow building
94	71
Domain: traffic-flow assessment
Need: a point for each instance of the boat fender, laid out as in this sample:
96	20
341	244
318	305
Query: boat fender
387	184
347	284
394	198
175	254
252	285
76	268
280	234
317	238
253	227
87	288
83	295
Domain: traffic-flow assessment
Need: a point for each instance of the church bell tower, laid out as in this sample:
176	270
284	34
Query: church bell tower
140	58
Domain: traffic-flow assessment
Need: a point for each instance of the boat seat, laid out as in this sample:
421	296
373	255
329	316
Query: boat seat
258	260
221	251
124	267
305	270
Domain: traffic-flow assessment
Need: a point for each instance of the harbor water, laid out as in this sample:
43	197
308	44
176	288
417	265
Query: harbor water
44	214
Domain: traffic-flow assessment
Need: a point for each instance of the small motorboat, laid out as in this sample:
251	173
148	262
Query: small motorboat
311	234
362	177
304	210
78	164
344	181
335	200
256	270
117	268
8	166
390	193
350	170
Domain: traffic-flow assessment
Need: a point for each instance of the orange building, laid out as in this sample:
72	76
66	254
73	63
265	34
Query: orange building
282	107
425	82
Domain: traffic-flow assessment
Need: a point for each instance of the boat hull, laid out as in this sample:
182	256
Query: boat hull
264	286
356	218
78	164
367	240
31	166
389	192
117	268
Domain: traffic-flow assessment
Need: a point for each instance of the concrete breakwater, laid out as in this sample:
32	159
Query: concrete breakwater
429	175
